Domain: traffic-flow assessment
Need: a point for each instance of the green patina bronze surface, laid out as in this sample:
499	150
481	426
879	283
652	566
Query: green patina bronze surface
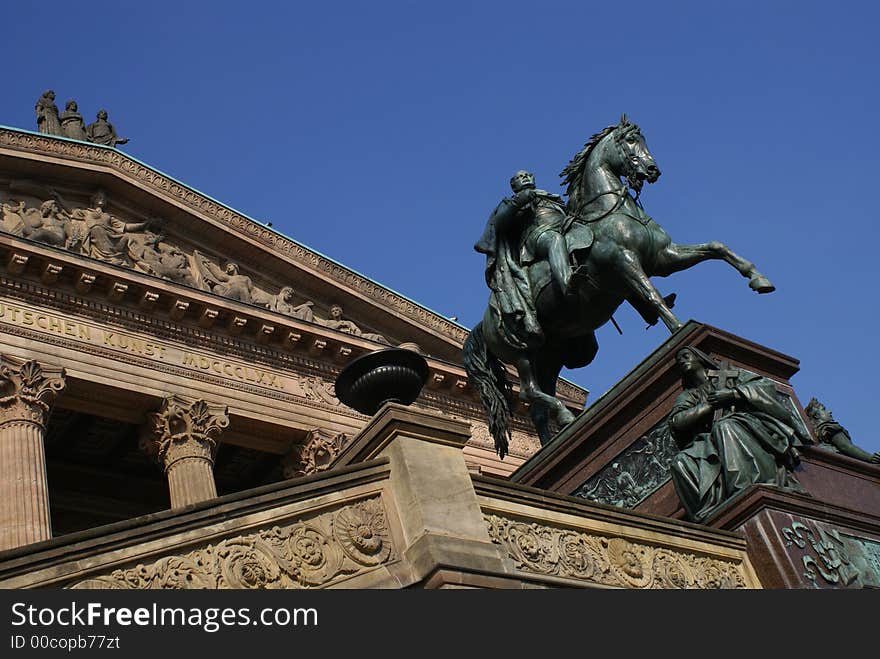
733	432
557	271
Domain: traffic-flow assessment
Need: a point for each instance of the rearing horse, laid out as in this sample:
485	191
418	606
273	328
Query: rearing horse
625	248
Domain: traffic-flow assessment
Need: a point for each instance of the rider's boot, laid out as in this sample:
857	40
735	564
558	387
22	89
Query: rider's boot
560	268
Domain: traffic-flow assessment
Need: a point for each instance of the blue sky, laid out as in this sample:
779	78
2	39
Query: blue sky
382	135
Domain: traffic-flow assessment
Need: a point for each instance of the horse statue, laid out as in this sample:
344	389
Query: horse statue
613	247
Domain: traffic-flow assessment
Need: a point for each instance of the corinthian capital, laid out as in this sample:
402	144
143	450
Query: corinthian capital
28	390
316	454
185	428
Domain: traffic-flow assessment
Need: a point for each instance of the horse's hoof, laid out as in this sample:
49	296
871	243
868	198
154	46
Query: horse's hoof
761	284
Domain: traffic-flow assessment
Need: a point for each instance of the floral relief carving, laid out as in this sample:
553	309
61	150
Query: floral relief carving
607	561
28	389
308	554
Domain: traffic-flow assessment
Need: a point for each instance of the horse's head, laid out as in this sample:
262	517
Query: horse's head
630	157
619	151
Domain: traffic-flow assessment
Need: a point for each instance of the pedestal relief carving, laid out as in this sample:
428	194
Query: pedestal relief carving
607	561
832	558
310	553
183	437
316	454
27	391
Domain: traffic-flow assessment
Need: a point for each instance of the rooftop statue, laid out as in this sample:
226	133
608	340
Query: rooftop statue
558	272
72	124
733	433
102	131
833	436
47	114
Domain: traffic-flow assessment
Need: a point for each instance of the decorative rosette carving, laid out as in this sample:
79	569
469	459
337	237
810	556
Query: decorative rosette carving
362	533
631	563
28	390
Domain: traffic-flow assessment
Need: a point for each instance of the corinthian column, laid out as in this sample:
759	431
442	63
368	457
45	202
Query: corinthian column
27	391
183	437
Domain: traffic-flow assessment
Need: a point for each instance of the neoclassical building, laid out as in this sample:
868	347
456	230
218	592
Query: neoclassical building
168	417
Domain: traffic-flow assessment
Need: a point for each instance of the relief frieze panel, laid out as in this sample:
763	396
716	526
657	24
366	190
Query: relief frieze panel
30	210
636	473
608	561
313	552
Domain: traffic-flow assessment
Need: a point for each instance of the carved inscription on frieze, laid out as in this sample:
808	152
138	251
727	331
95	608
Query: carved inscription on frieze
126	344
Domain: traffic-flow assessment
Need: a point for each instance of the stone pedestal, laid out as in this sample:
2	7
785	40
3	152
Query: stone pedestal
440	515
183	437
29	389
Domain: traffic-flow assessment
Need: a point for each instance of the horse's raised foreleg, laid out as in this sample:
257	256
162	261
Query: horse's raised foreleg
629	268
676	258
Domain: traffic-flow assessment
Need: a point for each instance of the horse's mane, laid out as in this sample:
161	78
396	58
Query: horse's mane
573	173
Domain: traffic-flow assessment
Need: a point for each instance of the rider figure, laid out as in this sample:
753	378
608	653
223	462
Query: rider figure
543	220
523	229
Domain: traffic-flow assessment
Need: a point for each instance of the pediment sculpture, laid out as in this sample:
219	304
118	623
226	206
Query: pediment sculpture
39	213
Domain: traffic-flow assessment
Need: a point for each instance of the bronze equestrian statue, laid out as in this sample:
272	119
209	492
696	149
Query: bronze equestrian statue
557	272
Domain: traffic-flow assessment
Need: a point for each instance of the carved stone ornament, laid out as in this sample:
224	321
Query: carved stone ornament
184	428
28	390
310	553
315	455
607	561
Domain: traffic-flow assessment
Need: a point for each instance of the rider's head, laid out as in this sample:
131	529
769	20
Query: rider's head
522	180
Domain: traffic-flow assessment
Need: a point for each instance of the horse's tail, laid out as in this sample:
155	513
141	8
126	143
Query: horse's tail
486	372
